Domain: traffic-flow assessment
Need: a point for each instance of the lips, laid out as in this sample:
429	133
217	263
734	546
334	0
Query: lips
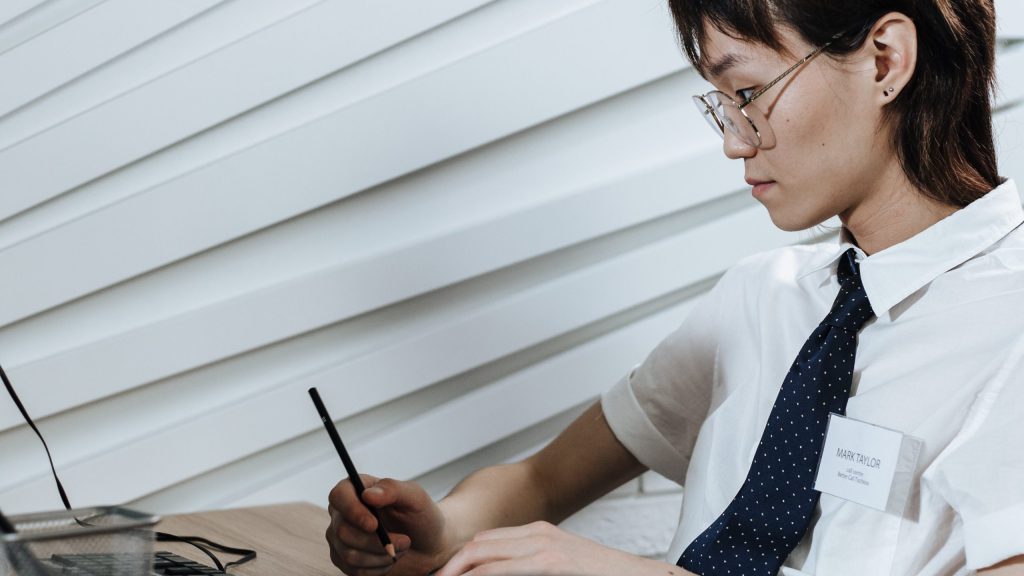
760	187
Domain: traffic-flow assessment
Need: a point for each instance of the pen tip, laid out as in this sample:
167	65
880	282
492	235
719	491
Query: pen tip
390	548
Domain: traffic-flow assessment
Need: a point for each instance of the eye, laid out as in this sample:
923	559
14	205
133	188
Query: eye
745	93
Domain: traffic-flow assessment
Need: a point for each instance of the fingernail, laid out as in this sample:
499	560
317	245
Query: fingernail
374	491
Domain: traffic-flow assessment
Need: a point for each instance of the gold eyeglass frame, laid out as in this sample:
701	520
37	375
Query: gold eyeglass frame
709	109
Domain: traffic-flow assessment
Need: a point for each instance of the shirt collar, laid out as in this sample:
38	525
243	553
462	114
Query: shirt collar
889	276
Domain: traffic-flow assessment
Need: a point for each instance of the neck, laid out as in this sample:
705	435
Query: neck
893	212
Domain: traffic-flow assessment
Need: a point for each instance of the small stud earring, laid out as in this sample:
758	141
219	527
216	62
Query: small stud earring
890	90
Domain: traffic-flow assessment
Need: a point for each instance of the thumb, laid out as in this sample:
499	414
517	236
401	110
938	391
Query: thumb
387	492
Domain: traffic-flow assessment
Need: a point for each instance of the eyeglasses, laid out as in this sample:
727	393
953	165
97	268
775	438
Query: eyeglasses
746	122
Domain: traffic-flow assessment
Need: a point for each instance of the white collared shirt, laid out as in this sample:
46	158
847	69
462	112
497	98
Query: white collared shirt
942	361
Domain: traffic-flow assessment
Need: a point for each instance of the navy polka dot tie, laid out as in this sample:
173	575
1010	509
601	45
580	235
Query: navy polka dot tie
771	512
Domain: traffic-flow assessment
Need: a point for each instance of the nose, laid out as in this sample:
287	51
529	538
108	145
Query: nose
735	148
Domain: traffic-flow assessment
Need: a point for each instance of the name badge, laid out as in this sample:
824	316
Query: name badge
867	464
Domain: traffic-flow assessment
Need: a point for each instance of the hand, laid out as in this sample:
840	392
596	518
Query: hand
415	525
541	549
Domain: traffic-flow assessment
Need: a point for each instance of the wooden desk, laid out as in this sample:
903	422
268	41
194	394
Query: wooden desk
288	538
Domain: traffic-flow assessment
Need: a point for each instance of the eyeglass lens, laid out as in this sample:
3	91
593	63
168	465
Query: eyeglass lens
744	123
709	115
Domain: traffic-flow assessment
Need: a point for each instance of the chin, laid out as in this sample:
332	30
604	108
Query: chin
788	224
793	222
795	212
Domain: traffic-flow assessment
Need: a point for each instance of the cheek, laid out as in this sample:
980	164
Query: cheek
805	141
812	160
816	138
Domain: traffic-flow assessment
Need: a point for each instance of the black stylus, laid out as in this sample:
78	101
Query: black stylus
353	474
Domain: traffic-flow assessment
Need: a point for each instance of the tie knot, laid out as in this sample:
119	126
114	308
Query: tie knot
849	268
851	308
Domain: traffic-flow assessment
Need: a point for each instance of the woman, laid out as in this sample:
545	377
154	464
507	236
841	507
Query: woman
877	112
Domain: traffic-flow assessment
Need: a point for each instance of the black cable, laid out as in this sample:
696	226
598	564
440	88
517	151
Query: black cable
165	537
246	555
24	414
197	541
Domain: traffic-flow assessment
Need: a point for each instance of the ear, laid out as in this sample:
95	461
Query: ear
892	43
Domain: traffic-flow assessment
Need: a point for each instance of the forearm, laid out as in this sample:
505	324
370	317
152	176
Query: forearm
583	463
497	496
541	548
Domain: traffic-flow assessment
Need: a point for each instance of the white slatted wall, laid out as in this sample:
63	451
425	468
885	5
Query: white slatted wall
461	219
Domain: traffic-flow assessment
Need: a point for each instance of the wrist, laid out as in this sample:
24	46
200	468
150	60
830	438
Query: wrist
658	568
451	539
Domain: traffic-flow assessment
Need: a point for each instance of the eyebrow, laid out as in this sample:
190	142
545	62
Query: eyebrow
722	65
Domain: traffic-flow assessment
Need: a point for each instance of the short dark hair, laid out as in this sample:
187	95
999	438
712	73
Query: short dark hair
942	119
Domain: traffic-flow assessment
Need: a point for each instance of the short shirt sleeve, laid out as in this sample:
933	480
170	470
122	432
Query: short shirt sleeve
657	410
981	473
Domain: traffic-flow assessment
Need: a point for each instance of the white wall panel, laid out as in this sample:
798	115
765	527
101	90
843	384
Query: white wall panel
14	8
226	22
211	90
1010	19
94	38
375	227
378	139
26	19
462	220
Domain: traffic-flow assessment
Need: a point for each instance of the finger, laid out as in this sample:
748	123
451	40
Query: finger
525	531
351	536
354	562
343	499
513	567
338	561
384	492
345	536
364	560
481	552
358	539
344	490
401	542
